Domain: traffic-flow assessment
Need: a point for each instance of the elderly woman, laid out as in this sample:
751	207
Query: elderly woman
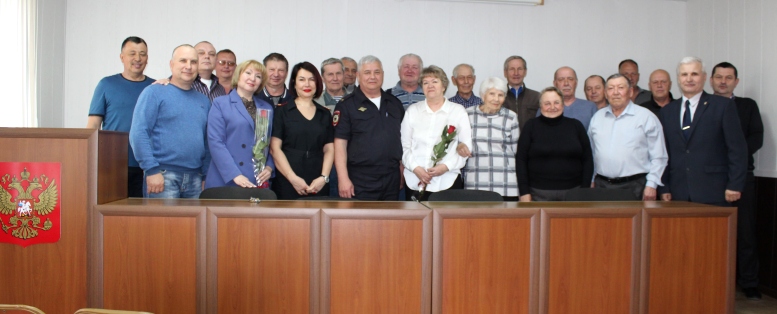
554	152
302	138
231	123
491	163
422	129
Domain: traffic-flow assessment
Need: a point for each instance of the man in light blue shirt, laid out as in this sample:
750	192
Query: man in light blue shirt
627	143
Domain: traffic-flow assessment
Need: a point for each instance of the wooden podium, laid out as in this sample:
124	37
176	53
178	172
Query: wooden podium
53	277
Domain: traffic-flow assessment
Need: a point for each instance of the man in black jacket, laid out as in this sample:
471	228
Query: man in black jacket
724	80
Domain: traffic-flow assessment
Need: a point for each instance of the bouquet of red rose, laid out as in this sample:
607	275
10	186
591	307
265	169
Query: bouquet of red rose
262	144
440	149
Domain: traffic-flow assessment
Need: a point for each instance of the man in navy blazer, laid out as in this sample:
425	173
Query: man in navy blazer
704	140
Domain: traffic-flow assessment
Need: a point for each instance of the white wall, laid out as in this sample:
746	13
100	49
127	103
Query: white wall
51	63
741	32
591	36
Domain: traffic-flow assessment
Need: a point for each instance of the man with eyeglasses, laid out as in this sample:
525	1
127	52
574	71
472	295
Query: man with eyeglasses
207	83
225	68
464	79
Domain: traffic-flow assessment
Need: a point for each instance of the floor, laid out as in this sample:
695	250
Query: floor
767	305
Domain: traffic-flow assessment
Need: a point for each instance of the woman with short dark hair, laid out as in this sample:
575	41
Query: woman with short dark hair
302	138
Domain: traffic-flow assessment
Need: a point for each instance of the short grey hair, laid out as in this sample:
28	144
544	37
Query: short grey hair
347	59
511	58
331	61
402	58
493	82
369	59
689	60
617	76
456	69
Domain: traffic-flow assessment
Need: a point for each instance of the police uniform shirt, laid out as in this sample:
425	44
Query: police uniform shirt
372	133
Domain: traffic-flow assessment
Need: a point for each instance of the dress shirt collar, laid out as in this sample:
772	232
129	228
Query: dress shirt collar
446	106
515	91
694	100
629	110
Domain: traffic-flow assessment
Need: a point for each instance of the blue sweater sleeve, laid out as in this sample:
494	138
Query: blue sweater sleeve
144	118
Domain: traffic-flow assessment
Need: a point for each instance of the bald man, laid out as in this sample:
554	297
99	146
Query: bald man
660	83
168	132
565	79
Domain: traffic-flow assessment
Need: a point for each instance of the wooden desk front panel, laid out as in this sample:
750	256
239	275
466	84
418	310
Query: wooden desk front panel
149	255
690	261
150	264
485	261
376	261
591	261
267	260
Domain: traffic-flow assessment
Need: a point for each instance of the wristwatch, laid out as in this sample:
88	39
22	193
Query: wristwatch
326	178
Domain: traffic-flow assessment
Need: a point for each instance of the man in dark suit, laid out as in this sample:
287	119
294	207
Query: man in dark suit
707	151
724	80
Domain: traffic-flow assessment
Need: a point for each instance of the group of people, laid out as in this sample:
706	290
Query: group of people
334	131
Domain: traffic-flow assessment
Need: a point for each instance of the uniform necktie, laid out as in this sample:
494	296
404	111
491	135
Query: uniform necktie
687	120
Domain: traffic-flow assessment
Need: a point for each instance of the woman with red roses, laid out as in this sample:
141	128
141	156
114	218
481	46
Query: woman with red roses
431	131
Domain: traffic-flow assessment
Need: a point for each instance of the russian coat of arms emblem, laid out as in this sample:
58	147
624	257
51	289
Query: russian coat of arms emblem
29	203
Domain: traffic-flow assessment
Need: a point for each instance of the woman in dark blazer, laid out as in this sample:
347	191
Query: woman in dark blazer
231	127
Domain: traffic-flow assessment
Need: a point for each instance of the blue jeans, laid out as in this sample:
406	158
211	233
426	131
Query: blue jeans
177	185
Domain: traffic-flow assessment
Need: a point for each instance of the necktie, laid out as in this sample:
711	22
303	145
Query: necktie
687	120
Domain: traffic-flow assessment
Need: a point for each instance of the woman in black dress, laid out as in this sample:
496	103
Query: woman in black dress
302	138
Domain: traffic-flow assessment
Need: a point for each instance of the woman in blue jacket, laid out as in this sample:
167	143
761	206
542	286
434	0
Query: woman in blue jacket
231	130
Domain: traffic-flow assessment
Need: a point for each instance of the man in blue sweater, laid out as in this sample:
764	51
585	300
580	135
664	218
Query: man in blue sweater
168	132
114	101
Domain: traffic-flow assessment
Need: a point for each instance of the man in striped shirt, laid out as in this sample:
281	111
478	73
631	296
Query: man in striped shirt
408	90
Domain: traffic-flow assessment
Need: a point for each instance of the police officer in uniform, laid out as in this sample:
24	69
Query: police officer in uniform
368	150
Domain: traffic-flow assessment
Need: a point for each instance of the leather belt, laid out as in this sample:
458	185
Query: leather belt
622	179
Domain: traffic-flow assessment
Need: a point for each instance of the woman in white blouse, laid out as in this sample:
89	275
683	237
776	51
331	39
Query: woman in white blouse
422	129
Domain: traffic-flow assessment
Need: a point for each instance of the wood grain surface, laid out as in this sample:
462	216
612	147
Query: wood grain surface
263	265
150	264
590	265
376	266
486	265
689	265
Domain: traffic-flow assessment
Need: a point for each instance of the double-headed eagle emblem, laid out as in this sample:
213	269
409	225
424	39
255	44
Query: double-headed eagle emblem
34	197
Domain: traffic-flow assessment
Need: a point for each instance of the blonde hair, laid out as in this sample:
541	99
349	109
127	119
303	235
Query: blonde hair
243	66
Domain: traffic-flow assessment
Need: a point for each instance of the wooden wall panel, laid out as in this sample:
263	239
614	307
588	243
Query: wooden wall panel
590	265
689	265
112	166
376	261
486	265
150	264
264	265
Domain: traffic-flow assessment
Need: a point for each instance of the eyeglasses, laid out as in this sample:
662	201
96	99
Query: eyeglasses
227	63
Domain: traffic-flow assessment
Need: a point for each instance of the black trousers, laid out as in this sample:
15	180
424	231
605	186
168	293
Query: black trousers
637	186
134	182
747	251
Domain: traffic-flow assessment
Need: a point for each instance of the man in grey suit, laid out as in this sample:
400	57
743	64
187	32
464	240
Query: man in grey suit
523	101
707	150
